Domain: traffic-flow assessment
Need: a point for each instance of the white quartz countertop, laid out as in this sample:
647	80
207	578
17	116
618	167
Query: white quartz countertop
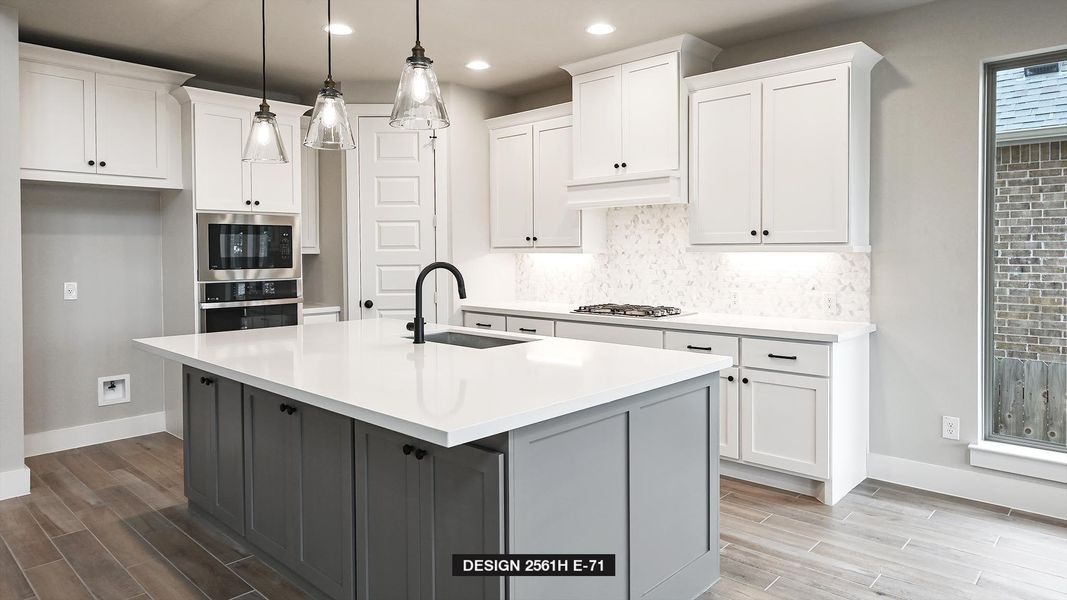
448	395
812	330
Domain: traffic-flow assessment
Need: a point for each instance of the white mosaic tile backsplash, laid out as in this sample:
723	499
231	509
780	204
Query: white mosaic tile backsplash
647	262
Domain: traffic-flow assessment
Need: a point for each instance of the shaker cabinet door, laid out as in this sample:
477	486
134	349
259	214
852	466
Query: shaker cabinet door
511	187
222	180
805	156
57	118
785	422
276	187
271	462
131	131
650	124
597	123
554	224
725	171
213	446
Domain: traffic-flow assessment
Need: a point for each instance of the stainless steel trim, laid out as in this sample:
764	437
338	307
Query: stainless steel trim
299	292
204	273
247	303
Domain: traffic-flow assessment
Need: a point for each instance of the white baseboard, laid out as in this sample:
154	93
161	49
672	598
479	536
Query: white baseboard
774	479
1032	496
93	433
14	483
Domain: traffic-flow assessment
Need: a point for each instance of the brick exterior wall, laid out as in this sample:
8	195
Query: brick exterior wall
1030	252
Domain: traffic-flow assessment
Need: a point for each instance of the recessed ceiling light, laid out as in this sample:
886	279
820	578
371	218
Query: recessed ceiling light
338	29
477	65
600	28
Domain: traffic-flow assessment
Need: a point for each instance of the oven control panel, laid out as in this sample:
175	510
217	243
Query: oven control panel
244	291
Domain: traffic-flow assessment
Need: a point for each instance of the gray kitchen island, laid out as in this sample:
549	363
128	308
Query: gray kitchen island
361	463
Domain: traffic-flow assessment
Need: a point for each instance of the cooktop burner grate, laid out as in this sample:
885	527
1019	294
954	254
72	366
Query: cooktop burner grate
629	310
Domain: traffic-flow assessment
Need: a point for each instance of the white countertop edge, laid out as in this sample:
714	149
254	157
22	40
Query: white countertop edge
432	435
680	323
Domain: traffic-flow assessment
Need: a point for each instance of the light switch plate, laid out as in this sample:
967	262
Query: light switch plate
70	290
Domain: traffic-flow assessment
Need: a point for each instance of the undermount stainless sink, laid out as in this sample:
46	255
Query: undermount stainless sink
468	340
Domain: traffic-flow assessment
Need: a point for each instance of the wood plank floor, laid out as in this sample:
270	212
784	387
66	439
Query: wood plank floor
110	522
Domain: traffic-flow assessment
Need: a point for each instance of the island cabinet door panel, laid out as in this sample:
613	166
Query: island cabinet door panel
327	536
785	422
387	516
214	446
271	459
673	492
805	156
569	492
463	503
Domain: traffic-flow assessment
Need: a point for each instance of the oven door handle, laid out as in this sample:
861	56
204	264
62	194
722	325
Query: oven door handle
247	303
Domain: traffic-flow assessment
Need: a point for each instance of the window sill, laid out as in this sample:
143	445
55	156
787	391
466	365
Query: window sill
1020	460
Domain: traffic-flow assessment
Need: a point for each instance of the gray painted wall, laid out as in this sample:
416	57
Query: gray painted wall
324	272
11	392
109	241
925	203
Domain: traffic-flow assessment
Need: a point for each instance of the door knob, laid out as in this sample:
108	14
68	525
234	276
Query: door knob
368	304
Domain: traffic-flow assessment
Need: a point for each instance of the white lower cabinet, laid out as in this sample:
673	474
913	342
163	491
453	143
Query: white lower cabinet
531	326
785	422
613	334
729	404
484	321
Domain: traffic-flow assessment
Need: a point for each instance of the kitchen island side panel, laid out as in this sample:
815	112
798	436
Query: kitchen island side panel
637	478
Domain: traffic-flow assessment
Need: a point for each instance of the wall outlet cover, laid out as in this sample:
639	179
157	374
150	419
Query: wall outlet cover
70	290
950	428
112	389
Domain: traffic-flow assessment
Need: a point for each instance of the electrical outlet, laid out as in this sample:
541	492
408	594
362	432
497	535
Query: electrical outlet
829	301
950	428
735	301
70	290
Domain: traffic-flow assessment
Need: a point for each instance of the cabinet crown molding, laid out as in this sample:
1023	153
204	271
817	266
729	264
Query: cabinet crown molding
97	64
859	55
530	116
187	94
685	44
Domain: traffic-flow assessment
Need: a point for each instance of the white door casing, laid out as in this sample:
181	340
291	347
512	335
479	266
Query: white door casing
396	217
554	224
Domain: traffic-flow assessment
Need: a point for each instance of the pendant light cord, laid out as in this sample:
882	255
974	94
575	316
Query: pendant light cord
417	40
264	20
329	42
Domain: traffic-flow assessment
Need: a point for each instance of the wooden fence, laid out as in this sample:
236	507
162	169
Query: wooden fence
1030	399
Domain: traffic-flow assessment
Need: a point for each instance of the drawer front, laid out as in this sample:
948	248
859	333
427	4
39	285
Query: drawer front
320	318
702	342
484	321
631	336
792	357
531	326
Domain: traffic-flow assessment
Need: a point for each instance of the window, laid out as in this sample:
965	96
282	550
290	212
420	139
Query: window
1025	255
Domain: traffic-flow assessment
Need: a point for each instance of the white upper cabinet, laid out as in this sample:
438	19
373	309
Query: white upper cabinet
780	153
630	123
86	119
530	164
217	128
309	213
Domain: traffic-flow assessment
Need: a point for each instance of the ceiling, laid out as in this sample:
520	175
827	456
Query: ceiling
524	41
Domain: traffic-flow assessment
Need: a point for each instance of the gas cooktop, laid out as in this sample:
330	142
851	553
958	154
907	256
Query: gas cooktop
630	310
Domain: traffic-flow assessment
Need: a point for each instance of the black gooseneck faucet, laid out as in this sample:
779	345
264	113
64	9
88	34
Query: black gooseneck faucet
419	326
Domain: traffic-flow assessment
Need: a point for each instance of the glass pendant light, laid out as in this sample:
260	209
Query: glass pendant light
329	129
264	143
418	97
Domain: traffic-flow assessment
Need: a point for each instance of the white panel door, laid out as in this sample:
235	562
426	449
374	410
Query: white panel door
724	203
650	125
597	122
222	179
785	422
276	186
58	120
130	127
729	409
511	187
554	225
396	216
805	156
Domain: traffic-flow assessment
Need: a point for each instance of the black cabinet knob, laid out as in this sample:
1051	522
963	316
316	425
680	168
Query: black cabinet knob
207	380
248	203
203	380
281	407
616	165
368	304
535	238
420	454
92	162
754	232
256	203
730	378
290	409
624	165
744	380
103	164
527	238
765	232
408	449
410	326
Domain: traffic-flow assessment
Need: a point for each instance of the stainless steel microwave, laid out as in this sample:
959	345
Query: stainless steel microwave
233	247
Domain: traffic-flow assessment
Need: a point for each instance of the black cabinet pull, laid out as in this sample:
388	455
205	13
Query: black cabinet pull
616	165
483	325
730	378
772	355
103	164
92	162
744	380
754	232
248	203
527	330
624	165
368	304
408	449
420	454
704	348
281	407
765	232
